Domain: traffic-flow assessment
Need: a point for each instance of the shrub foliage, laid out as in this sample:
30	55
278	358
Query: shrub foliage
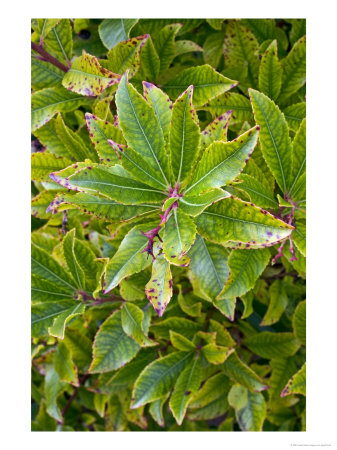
168	224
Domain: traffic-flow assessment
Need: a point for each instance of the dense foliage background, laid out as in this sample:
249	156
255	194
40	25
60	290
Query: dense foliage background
227	352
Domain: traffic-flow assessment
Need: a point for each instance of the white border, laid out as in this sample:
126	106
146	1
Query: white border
322	219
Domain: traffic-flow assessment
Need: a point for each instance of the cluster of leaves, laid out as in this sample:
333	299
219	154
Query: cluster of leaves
163	297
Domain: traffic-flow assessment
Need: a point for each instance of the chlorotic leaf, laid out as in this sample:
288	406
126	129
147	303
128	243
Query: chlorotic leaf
216	130
239	224
44	163
47	102
87	77
178	237
230	101
180	342
297	383
159	289
161	104
58	326
64	365
298	156
216	354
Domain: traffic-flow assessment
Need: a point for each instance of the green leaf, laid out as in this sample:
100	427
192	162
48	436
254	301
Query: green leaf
47	268
282	370
299	236
184	46
165	45
47	102
58	326
48	137
207	84
226	306
270	73
149	62
221	162
132	319
178	237
156	410
159	289
250	408
274	137
193	205
216	24
112	347
113	31
257	191
46	291
245	267
294	70
141	128
52	388
186	327
272	345
161	105
87	77
297	383
180	342
158	378
80	348
242	374
44	74
230	101
216	130
64	365
59	41
188	383
111	184
277	304
43	315
128	259
298	157
184	136
113	382
44	26
241	50
100	131
239	224
44	163
212	389
188	304
100	207
208	263
68	245
299	322
125	55
216	354
223	337
294	115
298	28
72	141
213	49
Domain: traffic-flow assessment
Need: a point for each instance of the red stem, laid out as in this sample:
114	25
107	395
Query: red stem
49	58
